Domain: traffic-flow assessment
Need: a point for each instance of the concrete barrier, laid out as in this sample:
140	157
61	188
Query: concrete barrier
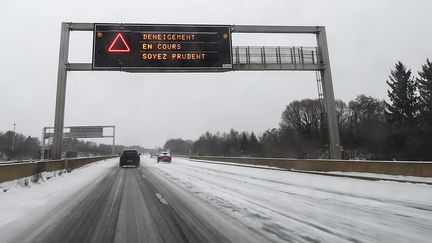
9	172
405	168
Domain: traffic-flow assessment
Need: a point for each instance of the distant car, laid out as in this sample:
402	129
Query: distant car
153	155
165	157
130	157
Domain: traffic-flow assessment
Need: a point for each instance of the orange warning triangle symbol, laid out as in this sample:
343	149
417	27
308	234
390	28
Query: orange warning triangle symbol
119	44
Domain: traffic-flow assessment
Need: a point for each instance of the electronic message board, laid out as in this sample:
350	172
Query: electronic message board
142	47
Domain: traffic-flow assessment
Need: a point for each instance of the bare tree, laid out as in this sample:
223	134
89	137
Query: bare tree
304	116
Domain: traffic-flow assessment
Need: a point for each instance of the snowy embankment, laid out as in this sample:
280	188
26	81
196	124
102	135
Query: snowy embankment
415	179
287	206
22	201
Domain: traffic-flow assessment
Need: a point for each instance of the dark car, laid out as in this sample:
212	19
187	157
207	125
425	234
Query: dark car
130	157
165	157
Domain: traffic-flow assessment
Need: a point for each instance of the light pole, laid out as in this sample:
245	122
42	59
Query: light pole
13	138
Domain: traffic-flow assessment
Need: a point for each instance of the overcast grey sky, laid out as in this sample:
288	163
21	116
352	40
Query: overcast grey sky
365	39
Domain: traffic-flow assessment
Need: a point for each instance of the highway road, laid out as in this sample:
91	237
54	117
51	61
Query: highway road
134	205
199	202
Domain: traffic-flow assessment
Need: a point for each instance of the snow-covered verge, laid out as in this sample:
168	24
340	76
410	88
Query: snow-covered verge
295	207
382	176
30	181
408	179
238	164
358	174
23	200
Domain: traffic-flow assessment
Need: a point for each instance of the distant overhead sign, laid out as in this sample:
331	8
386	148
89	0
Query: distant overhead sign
138	47
78	132
86	132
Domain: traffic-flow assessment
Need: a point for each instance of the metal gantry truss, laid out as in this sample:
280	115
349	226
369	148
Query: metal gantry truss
259	58
264	58
275	58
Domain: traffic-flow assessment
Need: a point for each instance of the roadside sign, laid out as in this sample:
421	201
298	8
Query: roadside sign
141	47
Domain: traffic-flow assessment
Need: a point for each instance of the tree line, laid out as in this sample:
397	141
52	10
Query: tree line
370	128
89	148
18	146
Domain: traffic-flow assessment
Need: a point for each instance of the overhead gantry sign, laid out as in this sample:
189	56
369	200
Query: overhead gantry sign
195	48
79	132
129	47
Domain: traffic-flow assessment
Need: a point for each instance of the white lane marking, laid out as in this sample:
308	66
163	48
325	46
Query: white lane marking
115	195
161	199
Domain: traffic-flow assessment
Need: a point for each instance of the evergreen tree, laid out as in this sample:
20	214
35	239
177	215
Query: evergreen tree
425	91
404	105
402	114
253	144
244	143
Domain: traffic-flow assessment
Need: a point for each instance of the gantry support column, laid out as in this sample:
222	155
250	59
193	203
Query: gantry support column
329	100
61	92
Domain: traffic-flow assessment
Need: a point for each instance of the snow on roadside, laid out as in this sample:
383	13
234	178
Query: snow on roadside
382	176
239	164
24	199
373	175
30	181
296	207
